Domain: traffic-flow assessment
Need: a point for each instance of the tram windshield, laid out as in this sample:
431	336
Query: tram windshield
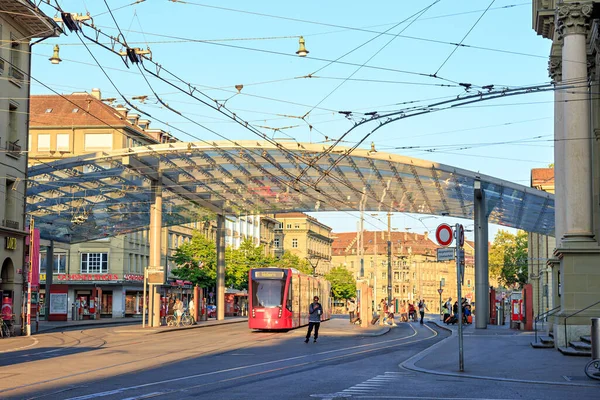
268	292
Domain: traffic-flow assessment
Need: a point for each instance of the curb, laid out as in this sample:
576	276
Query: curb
66	327
410	365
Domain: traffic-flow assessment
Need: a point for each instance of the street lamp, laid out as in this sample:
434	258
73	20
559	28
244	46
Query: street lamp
55	59
302	52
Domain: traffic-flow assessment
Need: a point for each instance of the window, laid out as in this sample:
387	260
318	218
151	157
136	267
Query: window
295	243
13	129
15	51
48	110
98	141
289	226
62	142
296	226
60	263
94	263
43	142
276	243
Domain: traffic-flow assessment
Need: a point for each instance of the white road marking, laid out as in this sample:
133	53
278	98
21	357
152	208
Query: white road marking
145	396
35	341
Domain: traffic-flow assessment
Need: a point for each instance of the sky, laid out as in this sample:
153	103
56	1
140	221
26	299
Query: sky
383	57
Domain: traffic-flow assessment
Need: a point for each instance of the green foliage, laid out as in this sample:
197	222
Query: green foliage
289	260
343	284
508	258
239	261
197	261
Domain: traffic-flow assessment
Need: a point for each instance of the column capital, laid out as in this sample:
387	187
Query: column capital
573	18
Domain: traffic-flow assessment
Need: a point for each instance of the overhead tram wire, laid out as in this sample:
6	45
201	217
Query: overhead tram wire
464	37
415	17
284	183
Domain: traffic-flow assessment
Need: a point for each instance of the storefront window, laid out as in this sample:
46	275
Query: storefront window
133	303
94	263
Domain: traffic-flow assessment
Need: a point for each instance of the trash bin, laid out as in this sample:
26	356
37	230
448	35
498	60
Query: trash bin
595	338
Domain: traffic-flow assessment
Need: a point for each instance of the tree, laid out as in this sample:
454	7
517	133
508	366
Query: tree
508	258
240	261
197	261
289	260
343	284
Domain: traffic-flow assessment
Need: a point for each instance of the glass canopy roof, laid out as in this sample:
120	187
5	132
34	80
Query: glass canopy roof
107	194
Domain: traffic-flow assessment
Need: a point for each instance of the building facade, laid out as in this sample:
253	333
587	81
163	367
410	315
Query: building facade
574	63
416	273
305	237
20	22
540	248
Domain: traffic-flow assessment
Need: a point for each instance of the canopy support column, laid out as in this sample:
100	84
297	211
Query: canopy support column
220	267
482	300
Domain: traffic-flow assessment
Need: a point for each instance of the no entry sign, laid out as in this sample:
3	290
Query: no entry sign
443	235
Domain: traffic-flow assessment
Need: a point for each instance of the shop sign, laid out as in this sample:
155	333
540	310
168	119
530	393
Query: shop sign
42	277
87	277
10	243
132	277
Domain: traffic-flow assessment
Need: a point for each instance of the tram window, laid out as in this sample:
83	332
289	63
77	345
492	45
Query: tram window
290	297
267	293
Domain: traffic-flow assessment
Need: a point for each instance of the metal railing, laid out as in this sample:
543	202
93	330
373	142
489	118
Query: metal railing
572	315
10	224
544	317
13	149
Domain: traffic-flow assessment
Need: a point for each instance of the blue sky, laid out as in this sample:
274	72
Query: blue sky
216	48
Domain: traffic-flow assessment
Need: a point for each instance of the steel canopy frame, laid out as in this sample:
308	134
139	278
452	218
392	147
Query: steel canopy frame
107	194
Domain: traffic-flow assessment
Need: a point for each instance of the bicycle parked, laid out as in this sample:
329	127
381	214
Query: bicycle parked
592	369
185	320
7	327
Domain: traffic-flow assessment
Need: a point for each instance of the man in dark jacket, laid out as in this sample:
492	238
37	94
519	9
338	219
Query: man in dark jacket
315	310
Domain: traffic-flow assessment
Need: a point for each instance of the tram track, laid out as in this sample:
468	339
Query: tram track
187	355
269	368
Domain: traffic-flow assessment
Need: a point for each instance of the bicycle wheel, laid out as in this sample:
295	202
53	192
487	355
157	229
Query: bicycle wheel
592	369
5	331
171	320
186	320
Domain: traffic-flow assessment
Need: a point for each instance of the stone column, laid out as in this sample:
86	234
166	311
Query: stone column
555	72
572	24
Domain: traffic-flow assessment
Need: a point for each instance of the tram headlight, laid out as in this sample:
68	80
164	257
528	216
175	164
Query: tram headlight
280	310
253	313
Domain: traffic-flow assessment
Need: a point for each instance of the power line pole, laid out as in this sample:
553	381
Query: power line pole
30	277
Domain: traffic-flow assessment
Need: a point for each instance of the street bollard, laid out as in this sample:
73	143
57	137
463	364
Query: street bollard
595	338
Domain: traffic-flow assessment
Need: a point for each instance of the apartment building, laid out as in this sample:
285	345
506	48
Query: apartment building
107	271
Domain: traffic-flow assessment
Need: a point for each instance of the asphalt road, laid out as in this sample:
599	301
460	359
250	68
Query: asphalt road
232	362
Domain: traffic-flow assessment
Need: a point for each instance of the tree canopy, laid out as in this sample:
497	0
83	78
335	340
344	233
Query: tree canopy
289	260
343	284
197	261
508	258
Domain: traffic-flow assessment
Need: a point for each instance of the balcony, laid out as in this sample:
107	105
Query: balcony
10	224
13	149
16	76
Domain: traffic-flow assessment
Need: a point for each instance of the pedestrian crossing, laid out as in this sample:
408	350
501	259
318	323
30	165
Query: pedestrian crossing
369	386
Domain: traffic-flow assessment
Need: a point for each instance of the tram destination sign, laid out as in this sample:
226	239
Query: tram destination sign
445	254
268	274
156	275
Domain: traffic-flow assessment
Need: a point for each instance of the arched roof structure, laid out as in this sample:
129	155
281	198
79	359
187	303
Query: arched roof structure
105	194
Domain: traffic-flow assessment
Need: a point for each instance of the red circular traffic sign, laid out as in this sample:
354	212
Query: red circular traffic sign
461	236
443	235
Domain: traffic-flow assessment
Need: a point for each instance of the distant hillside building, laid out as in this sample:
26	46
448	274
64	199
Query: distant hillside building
416	273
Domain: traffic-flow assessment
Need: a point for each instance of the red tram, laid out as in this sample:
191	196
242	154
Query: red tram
279	298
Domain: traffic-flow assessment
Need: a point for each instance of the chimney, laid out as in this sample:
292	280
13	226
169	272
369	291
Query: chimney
406	236
426	235
96	93
122	110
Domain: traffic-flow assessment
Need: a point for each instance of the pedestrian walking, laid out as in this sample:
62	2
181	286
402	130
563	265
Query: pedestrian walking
315	310
422	308
448	304
351	310
382	308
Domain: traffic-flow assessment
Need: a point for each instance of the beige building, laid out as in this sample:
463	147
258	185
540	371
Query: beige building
540	249
416	273
81	123
305	237
20	22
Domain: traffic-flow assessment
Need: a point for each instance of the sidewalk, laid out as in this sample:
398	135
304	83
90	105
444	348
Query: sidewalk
502	354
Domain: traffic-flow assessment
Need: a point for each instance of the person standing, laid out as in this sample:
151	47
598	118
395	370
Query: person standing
192	310
422	308
351	310
315	310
